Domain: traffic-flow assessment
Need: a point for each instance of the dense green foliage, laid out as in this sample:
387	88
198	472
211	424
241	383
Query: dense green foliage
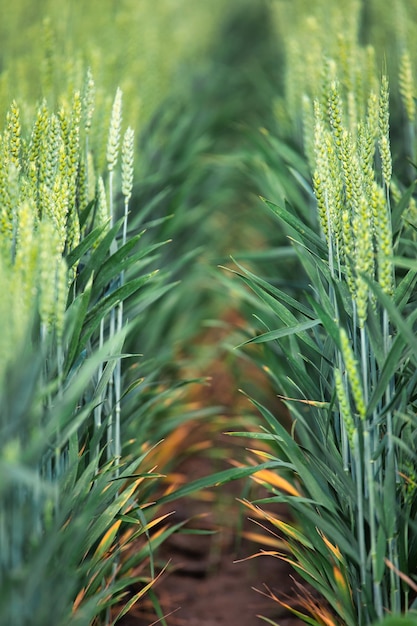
78	275
340	344
135	142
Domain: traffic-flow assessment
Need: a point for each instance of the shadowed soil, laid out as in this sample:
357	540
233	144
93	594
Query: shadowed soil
208	579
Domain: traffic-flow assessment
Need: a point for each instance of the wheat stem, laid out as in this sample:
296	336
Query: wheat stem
370	482
360	518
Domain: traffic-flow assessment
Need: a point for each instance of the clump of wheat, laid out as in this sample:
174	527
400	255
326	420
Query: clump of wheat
61	278
353	203
341	349
63	41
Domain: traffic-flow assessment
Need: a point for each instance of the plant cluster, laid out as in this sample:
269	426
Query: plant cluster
77	281
331	142
46	49
65	261
340	344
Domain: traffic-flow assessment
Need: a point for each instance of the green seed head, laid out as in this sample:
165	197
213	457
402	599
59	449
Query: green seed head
114	131
102	213
344	406
88	100
406	86
127	163
352	374
383	140
335	110
14	134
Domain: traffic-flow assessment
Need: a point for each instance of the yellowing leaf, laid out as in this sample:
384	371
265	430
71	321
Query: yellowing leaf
107	539
273	479
333	549
265	539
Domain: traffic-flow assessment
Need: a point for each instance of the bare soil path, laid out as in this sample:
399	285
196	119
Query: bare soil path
209	581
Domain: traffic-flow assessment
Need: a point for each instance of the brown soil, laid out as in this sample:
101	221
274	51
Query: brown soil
209	579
